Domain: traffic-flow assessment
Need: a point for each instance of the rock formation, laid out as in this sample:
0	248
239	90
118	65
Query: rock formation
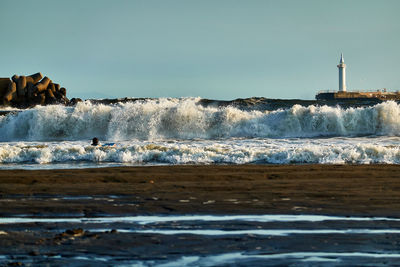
27	91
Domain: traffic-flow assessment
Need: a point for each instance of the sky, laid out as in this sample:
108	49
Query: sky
217	49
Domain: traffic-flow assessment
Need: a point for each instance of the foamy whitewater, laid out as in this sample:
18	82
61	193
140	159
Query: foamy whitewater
182	131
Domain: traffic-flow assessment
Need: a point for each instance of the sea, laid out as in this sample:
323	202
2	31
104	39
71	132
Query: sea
171	131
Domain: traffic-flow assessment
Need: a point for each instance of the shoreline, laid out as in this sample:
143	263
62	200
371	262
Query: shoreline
114	193
347	190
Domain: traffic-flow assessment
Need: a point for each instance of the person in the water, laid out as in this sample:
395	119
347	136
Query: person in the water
95	141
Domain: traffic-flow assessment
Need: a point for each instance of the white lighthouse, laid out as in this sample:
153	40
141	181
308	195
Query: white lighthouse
342	75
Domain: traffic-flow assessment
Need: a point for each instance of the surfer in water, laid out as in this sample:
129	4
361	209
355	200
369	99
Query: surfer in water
95	141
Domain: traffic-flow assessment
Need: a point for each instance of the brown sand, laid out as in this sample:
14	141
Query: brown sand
240	189
244	189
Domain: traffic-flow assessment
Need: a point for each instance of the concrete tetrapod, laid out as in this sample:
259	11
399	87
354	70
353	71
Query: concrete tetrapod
11	93
21	85
35	78
52	87
4	83
50	98
15	78
42	85
27	91
57	86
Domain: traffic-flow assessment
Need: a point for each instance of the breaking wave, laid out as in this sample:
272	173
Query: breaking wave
233	151
187	119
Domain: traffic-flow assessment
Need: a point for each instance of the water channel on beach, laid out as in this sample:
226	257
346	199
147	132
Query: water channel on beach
201	240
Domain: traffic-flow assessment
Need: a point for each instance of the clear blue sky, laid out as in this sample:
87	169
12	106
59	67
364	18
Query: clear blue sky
209	48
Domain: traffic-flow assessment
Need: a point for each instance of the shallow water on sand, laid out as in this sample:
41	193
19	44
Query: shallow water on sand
209	240
191	218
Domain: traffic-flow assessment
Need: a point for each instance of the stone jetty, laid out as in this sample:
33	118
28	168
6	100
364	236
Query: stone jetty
27	91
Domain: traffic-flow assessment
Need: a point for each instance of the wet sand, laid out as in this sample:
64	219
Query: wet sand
241	189
361	190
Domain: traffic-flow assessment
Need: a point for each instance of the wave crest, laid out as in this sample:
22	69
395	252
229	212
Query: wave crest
187	119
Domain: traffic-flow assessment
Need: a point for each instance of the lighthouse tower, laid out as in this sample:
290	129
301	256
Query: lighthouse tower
342	75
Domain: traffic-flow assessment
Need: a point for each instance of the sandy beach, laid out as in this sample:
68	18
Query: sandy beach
83	195
240	189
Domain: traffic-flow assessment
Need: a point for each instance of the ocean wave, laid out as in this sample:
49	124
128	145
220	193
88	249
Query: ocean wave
233	151
186	119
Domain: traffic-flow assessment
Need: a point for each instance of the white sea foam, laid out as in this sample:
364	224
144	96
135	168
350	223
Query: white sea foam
186	119
180	131
228	151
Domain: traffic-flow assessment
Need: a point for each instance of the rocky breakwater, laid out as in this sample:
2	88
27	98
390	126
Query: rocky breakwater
27	91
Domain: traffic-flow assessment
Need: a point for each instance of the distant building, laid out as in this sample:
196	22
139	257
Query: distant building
343	94
342	74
